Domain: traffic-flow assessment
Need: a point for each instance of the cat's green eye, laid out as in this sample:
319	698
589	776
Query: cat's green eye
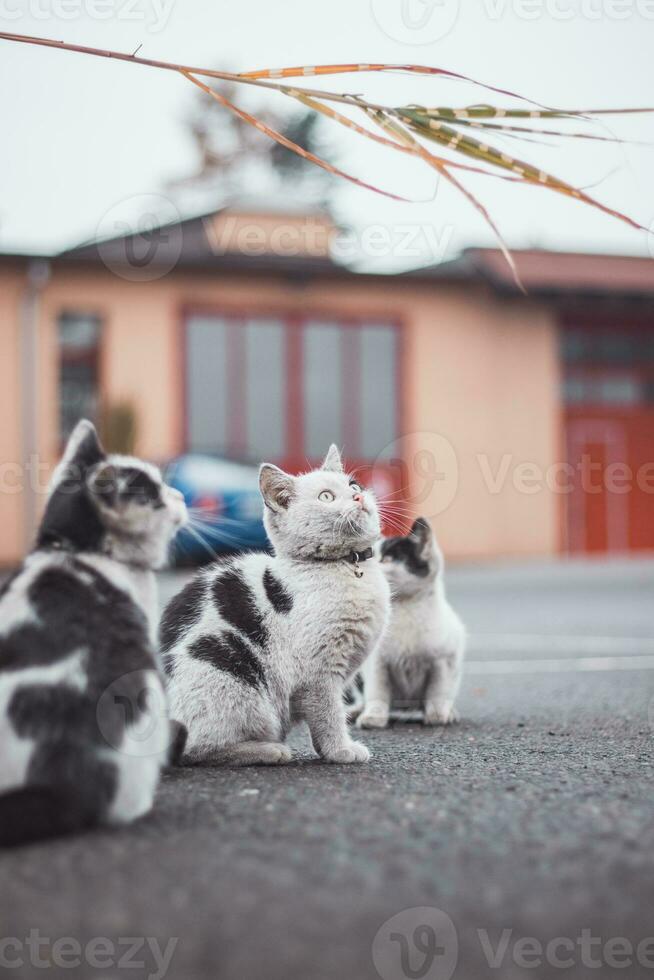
326	496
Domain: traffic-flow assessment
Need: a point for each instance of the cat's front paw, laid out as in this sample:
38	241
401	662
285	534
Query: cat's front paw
440	714
372	718
352	752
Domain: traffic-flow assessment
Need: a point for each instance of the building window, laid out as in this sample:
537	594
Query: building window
606	365
206	384
379	394
265	389
268	387
79	369
322	387
602	390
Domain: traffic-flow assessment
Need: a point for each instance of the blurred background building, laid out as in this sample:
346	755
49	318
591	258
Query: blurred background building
523	425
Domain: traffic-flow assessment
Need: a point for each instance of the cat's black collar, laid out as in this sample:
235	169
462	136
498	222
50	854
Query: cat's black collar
356	557
351	557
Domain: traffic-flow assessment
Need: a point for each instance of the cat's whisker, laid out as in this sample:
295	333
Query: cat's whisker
201	517
198	537
215	526
406	515
395	505
206	528
394	509
395	525
397	490
394	512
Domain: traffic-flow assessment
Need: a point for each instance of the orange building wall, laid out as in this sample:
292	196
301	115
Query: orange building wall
485	378
480	372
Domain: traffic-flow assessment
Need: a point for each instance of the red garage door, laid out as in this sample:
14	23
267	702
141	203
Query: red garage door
609	422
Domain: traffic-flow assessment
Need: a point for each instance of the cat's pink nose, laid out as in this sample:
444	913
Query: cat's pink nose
359	498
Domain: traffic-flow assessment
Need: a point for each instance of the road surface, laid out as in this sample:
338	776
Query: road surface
517	844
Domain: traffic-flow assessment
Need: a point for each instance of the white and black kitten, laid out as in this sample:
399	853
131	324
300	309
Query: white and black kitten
419	662
84	730
259	642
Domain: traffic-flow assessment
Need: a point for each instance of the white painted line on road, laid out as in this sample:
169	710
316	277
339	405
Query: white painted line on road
552	643
569	664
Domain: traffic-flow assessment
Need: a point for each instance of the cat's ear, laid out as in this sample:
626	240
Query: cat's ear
332	460
277	487
83	446
422	534
426	545
83	450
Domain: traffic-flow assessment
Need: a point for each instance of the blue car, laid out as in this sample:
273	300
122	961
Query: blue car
225	506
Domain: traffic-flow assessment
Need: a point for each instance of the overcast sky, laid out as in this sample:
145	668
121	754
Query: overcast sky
83	137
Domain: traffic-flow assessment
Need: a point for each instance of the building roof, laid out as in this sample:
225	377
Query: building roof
552	273
226	240
241	239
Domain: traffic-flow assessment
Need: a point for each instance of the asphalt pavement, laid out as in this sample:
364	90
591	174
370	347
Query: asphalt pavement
519	843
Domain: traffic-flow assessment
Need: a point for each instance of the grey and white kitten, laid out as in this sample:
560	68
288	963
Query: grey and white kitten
83	726
258	643
419	662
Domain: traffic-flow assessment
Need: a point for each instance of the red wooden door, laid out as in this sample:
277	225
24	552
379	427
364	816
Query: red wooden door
611	504
598	518
608	373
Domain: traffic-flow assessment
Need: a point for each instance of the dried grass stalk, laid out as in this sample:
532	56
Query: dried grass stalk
404	127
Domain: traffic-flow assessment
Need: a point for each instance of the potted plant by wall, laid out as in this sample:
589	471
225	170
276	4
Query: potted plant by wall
119	428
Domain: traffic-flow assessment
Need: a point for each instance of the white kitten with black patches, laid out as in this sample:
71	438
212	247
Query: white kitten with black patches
83	727
258	643
418	664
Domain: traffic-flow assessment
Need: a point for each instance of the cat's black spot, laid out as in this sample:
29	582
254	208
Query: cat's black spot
71	517
137	485
229	652
178	740
69	789
29	646
237	605
280	599
407	551
348	697
55	712
52	711
182	612
83	783
115	485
